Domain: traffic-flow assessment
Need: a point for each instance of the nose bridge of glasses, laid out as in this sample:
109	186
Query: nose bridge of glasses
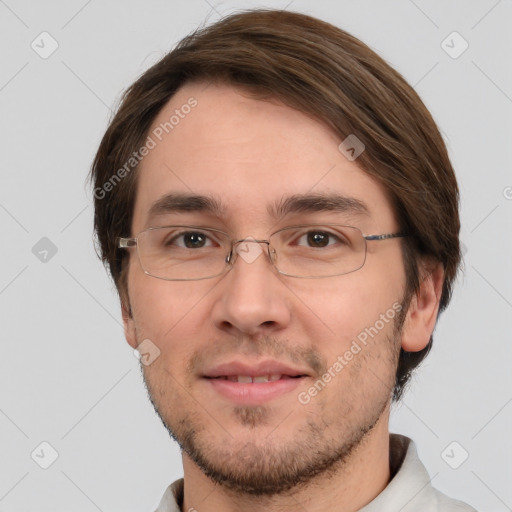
249	249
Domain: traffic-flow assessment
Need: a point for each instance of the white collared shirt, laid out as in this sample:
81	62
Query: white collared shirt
409	490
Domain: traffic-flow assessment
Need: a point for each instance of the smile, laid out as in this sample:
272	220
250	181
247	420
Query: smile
246	379
253	390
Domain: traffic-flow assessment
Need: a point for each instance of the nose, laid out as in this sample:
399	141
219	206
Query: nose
251	298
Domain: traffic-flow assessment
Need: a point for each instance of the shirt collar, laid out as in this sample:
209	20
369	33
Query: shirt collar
410	488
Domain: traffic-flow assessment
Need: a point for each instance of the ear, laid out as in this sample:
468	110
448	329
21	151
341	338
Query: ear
129	324
422	313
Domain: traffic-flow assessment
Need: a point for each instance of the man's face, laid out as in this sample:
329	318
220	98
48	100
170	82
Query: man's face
250	155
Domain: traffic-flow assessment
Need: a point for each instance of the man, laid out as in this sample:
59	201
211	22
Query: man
280	216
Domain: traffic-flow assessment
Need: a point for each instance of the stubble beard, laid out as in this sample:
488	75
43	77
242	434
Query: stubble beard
263	467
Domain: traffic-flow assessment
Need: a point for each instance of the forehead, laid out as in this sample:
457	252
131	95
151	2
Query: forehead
214	140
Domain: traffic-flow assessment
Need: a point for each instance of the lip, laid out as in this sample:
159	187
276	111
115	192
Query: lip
266	367
255	393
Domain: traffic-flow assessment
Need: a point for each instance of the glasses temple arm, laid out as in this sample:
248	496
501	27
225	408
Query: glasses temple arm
385	236
123	243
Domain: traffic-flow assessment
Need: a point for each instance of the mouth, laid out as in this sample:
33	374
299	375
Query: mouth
248	379
253	384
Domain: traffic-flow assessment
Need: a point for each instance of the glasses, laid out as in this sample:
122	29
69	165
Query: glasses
191	253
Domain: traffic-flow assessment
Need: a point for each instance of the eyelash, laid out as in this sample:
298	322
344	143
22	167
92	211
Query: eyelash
295	237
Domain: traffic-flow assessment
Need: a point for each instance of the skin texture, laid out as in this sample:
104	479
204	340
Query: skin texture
332	452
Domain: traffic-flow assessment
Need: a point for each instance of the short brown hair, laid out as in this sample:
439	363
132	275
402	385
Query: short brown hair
322	71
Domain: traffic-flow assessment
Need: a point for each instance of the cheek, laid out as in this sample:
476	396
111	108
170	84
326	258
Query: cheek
343	307
358	383
170	314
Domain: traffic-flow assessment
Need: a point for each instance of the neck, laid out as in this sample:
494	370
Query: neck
347	488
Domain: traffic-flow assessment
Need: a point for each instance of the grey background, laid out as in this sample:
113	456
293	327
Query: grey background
68	377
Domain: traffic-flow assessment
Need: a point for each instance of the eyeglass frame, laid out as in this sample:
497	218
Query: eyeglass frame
130	242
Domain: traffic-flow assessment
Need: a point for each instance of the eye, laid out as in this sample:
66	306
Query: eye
318	239
190	240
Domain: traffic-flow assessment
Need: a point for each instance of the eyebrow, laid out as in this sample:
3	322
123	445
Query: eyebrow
297	203
300	203
176	203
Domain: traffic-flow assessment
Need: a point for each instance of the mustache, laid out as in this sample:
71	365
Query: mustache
262	346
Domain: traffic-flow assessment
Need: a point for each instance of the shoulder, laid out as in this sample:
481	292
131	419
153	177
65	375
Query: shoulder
446	504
